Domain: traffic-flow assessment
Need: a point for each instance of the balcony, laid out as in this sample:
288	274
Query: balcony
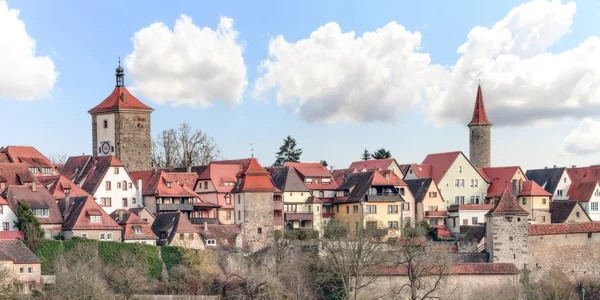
388	197
278	205
436	213
176	207
326	215
289	216
278	221
201	221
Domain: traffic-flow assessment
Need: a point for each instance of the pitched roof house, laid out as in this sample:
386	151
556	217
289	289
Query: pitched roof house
499	177
11	174
225	238
38	164
106	179
25	267
568	212
174	229
134	229
377	165
60	187
588	194
429	203
41	203
215	185
85	218
556	181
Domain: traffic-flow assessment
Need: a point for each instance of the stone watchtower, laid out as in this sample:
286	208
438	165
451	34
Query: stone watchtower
121	127
254	206
506	231
479	135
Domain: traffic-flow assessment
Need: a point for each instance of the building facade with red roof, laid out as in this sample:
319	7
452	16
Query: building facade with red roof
121	127
86	219
377	165
215	185
38	164
106	179
587	193
320	182
134	229
536	201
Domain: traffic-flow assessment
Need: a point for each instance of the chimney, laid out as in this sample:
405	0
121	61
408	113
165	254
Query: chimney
139	193
554	166
33	187
574	166
515	187
205	226
189	169
120	215
64	204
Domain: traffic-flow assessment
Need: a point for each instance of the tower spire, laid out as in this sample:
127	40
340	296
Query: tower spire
479	114
120	75
479	134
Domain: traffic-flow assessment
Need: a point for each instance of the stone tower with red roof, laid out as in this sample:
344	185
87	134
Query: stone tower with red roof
506	235
479	135
121	127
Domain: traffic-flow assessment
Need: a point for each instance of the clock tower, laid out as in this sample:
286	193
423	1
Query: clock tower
121	127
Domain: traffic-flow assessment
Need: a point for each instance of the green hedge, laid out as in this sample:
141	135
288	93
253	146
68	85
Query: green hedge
301	234
109	252
171	256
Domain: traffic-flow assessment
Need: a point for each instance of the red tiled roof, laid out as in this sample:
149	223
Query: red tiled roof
309	169
129	221
457	207
440	163
28	155
158	185
584	174
220	173
40	199
582	191
563	228
483	174
224	235
379	180
531	188
456	269
508	205
88	171
120	99
11	235
421	170
404	168
78	216
255	178
57	188
394	179
479	114
372	164
14	174
339	175
499	177
187	179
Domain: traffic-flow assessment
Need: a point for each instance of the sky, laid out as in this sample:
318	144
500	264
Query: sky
338	76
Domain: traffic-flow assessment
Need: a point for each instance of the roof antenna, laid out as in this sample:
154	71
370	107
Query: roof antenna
252	150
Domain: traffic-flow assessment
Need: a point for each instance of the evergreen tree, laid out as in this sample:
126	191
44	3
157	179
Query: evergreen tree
366	155
288	152
30	226
382	154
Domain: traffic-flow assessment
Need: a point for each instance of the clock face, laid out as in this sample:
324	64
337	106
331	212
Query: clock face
105	147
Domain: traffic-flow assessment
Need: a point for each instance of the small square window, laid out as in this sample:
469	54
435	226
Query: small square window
259	230
84	235
109	236
116	170
29	270
22	270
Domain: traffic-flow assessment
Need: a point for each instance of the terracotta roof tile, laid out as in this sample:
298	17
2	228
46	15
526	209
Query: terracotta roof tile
584	174
564	228
129	221
78	216
28	155
421	170
479	114
582	191
372	164
163	184
498	177
379	180
89	171
339	175
255	178
58	187
120	99
14	174
393	178
310	169
38	199
440	163
17	252
508	205
456	269
531	188
222	175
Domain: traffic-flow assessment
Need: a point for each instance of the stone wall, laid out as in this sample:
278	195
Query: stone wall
258	216
576	255
133	141
541	216
480	145
472	257
506	240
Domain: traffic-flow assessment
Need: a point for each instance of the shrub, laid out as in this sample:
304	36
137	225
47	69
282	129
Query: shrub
171	256
301	234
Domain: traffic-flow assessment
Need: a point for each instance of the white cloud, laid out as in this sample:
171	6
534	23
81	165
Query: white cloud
188	65
23	75
337	76
583	140
522	81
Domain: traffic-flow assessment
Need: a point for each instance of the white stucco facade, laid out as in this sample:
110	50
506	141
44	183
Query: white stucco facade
464	217
593	206
562	187
117	193
470	183
7	217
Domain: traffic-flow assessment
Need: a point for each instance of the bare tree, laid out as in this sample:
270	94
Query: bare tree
351	254
8	290
184	147
129	276
251	278
425	267
58	157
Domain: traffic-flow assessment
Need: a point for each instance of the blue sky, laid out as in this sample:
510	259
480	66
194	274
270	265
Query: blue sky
84	38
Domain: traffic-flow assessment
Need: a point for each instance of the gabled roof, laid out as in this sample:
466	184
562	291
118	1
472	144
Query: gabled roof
498	178
310	169
78	216
581	174
373	164
167	224
548	179
185	178
15	174
564	228
17	252
157	184
440	163
561	210
27	155
224	236
40	199
57	188
419	187
129	221
254	178
531	188
421	170
286	179
89	171
339	175
379	180
479	114
507	205
120	99
358	185
404	168
582	191
393	178
221	172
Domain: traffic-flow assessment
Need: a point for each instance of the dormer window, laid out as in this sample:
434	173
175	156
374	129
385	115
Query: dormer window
138	229
116	170
169	184
95	219
46	171
308	180
211	242
67	191
326	180
41	212
2	185
33	170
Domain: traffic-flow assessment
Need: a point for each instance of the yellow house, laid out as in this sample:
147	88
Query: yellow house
367	199
536	201
430	205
